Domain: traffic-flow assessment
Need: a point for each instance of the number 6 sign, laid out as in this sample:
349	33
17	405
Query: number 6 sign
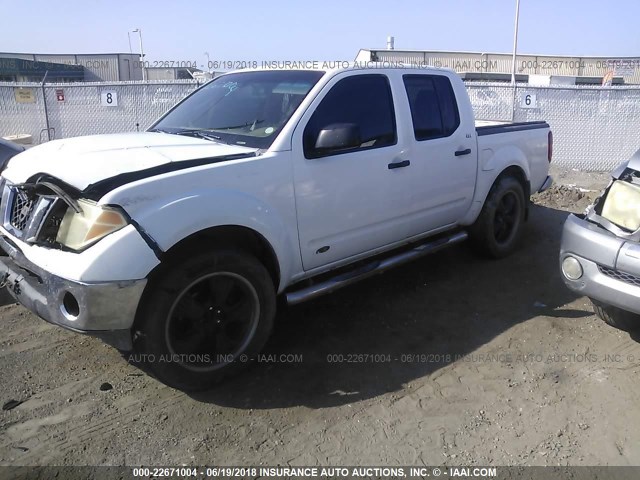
528	100
109	98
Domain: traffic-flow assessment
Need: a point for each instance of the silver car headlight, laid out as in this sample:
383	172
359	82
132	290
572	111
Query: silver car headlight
622	205
79	230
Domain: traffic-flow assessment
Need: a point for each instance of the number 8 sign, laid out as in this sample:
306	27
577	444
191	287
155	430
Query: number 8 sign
109	98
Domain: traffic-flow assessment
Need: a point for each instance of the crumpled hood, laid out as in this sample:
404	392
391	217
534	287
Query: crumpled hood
633	163
82	161
595	212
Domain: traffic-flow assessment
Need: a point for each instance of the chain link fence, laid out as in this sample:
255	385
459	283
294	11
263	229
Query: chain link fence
84	111
594	128
73	109
22	110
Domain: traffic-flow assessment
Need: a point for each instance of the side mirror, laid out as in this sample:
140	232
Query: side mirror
337	137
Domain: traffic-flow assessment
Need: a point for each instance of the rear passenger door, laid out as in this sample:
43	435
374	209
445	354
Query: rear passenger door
443	153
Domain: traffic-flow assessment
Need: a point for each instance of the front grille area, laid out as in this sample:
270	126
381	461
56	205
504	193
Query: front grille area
621	276
30	216
23	205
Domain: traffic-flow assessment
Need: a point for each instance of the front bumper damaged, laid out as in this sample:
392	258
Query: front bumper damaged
102	309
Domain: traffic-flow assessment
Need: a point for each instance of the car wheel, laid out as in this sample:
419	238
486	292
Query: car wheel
616	317
204	318
497	230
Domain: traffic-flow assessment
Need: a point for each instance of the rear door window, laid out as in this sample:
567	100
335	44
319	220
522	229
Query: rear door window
434	110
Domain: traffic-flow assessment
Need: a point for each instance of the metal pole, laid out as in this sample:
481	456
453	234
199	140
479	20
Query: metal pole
513	61
46	113
144	77
135	103
515	44
130	52
139	32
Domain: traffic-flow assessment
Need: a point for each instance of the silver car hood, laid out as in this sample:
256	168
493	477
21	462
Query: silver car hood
633	163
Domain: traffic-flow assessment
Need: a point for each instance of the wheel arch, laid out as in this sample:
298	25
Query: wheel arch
229	236
517	172
513	169
494	234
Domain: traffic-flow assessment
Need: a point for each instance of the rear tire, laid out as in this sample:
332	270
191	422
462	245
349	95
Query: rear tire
204	317
497	230
616	317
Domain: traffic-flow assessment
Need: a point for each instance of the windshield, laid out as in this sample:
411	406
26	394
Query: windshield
245	108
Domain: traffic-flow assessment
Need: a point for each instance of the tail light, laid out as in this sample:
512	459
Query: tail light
550	147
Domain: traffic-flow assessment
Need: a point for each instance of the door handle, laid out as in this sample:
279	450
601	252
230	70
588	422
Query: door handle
404	163
459	153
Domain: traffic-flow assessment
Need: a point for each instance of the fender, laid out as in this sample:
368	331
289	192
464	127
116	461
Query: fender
170	220
492	164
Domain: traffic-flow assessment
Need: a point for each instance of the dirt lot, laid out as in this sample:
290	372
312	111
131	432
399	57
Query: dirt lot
483	362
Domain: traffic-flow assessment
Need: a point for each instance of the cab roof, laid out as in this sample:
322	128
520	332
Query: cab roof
337	66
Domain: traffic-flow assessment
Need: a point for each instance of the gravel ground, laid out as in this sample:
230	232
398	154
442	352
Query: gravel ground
482	362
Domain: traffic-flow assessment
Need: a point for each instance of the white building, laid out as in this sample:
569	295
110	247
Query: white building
497	66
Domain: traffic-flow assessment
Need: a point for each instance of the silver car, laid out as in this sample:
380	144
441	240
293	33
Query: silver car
600	250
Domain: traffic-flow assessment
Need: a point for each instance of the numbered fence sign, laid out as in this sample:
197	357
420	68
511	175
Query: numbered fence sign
528	100
109	98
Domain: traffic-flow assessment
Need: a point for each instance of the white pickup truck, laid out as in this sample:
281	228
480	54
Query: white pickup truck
176	242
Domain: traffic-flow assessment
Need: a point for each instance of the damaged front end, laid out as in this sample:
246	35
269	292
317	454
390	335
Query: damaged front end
53	263
42	212
600	250
618	207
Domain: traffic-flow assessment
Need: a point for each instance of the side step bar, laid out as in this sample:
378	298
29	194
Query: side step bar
372	268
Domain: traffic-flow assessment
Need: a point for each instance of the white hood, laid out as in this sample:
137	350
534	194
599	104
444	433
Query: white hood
82	161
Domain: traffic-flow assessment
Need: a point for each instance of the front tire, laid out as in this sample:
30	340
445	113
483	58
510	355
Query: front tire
616	317
204	317
497	230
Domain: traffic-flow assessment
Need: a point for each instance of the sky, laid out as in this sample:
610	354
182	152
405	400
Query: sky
252	30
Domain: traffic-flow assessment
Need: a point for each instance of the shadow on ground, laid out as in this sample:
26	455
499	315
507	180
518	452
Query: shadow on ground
446	305
5	297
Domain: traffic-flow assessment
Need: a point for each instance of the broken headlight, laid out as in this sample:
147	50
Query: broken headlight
622	205
78	230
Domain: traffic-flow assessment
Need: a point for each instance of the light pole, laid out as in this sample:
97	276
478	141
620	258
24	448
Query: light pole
208	62
130	52
513	61
515	44
139	32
